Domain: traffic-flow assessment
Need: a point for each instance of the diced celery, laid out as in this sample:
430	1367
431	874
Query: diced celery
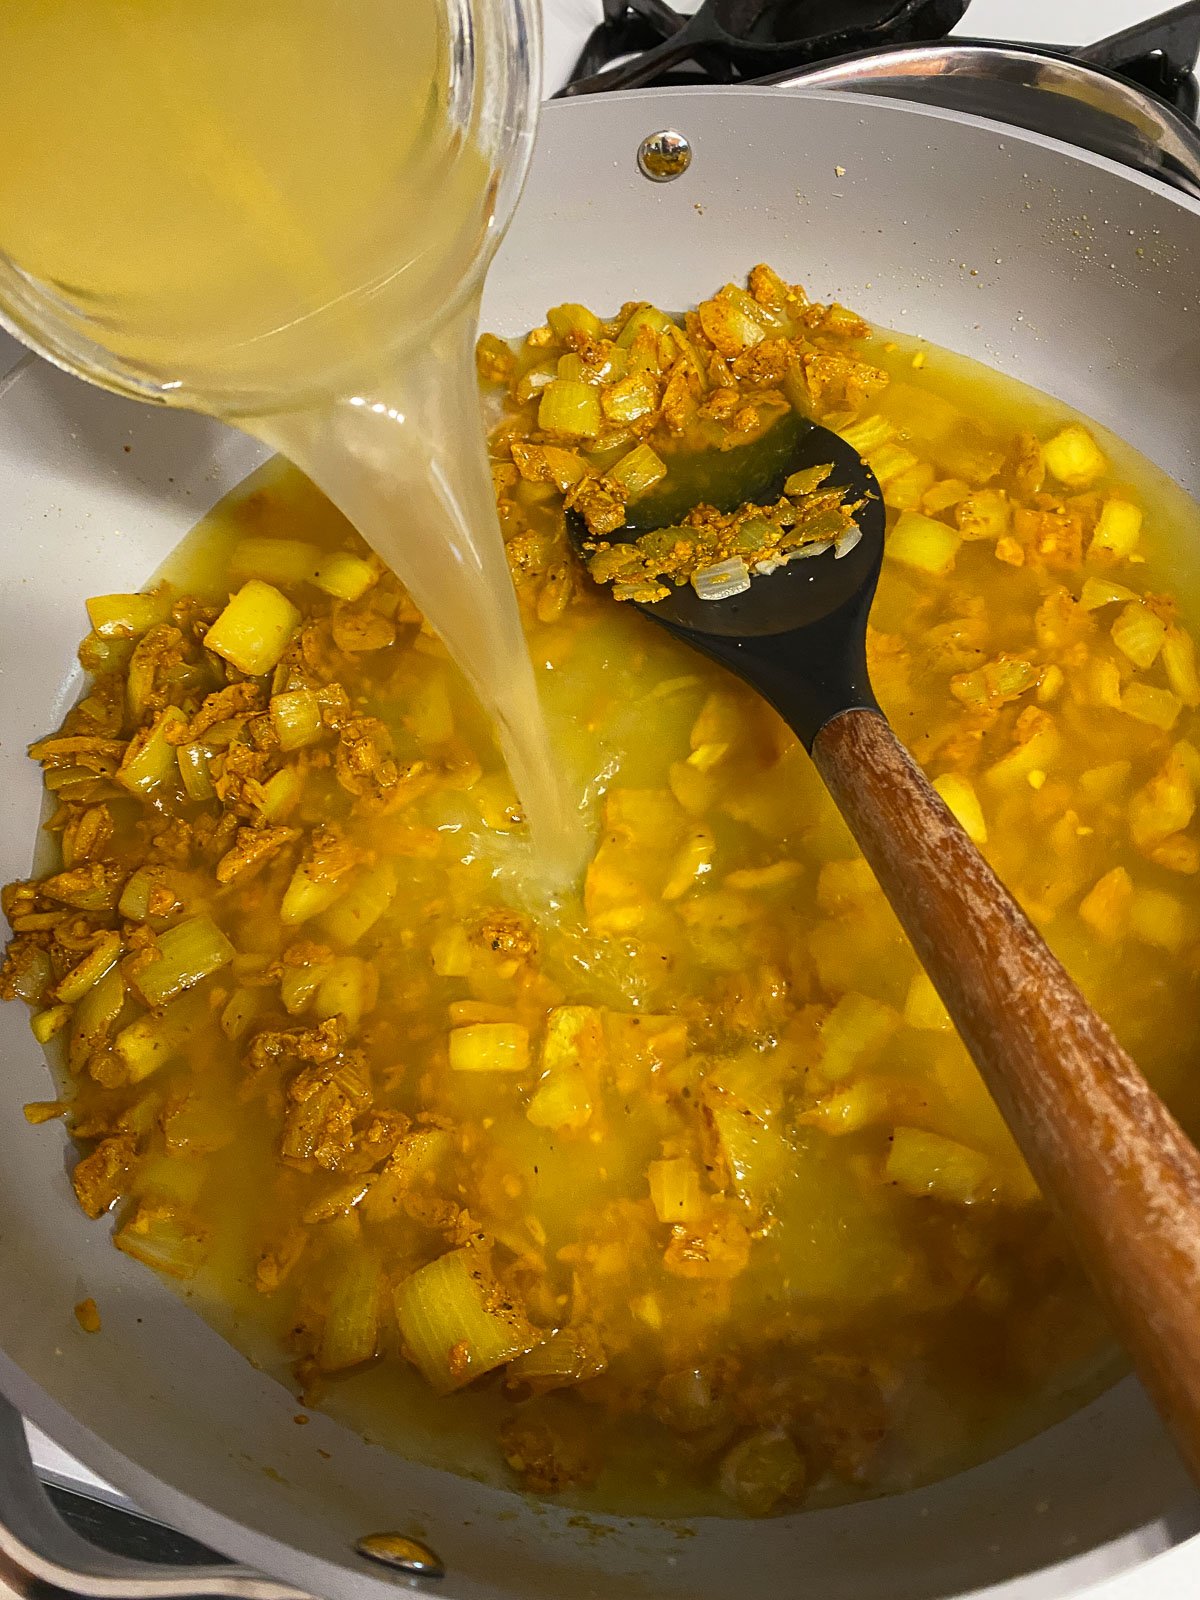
986	514
889	461
853	1034
1139	634
45	1024
194	1124
1117	531
1105	683
570	408
630	399
731	328
134	903
1179	660
494	360
125	616
923	1007
942	495
1189	757
162	1237
240	1010
571	319
566	1358
451	952
574	1037
959	794
1165	805
1074	457
693	787
868	434
297	985
576	370
1158	918
906	491
489	1047
1105	907
1099	592
675	1190
30	973
643	317
350	1335
281	794
429	715
296	718
361	907
254	629
1038	745
349	989
757	1156
187	953
561	1100
149	759
90	970
756	310
345	575
930	1164
693	861
638	471
565	467
924	543
275	560
763	1471
57	778
1051	685
417	1157
845	883
150	1042
93	1017
307	896
457	1323
534	379
1157	707
193	771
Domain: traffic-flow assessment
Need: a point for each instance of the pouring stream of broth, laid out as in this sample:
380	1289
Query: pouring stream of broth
271	212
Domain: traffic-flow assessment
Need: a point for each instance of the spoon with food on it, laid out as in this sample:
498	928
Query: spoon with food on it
766	558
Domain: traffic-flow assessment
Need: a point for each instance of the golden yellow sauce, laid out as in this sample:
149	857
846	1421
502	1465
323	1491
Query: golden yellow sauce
681	1185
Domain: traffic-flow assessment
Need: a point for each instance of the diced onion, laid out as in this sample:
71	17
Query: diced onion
844	545
802	552
720	582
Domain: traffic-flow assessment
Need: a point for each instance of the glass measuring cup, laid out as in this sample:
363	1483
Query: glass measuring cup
173	177
309	271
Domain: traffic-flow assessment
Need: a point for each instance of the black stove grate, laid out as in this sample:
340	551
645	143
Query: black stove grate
644	43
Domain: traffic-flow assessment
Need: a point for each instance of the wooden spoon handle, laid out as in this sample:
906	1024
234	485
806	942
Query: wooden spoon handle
1121	1173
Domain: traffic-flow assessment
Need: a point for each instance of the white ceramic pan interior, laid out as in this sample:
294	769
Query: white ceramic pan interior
1056	267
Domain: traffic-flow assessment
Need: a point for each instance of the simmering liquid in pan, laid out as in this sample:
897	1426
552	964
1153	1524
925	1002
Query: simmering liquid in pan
674	1192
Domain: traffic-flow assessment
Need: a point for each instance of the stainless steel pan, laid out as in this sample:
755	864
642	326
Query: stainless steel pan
1061	267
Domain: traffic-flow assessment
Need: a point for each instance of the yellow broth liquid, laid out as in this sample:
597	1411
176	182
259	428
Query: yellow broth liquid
827	1321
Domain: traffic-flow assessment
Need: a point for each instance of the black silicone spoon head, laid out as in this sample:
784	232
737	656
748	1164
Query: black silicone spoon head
798	633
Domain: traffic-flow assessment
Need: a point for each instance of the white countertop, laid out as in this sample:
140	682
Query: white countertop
567	24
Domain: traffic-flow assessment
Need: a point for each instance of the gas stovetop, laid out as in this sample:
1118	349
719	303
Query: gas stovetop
647	43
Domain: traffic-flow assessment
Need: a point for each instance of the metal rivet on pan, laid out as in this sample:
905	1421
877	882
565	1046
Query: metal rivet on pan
397	1550
664	155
